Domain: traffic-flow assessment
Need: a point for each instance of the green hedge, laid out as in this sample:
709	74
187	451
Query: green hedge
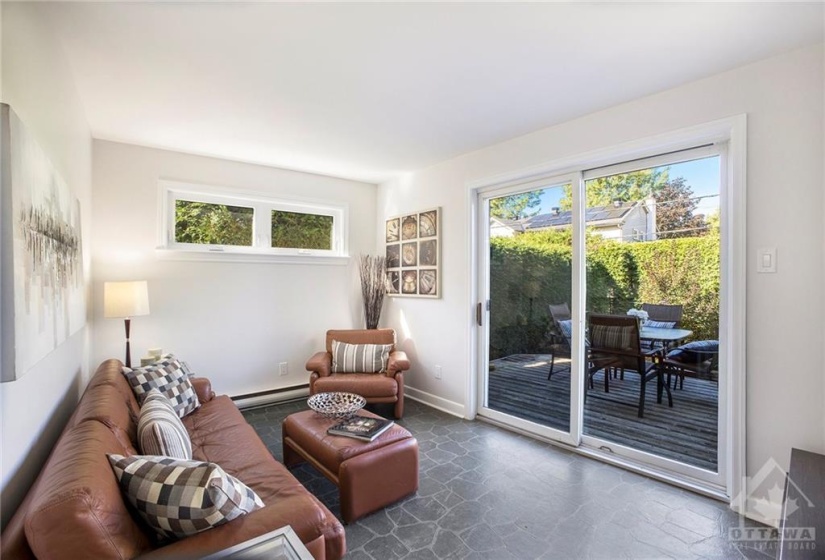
530	271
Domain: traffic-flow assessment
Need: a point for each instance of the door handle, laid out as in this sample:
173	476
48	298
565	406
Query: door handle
478	314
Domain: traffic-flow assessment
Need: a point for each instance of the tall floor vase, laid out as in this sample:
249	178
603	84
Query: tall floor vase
373	269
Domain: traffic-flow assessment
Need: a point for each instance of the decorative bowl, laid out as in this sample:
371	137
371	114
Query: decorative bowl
336	405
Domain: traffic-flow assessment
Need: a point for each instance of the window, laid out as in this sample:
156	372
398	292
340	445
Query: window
304	231
203	221
213	224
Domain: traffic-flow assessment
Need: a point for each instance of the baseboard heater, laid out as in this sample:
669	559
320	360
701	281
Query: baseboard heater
272	396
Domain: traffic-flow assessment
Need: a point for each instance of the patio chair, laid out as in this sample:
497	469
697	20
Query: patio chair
660	313
615	342
559	332
695	359
661	316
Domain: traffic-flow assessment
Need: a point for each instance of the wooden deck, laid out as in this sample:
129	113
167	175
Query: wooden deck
687	432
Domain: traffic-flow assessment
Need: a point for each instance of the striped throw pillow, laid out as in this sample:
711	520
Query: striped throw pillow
170	378
180	498
359	358
160	431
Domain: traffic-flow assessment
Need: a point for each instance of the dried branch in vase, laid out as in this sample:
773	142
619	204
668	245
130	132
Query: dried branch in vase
373	287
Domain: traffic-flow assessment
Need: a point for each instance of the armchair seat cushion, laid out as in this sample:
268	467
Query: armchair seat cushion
368	385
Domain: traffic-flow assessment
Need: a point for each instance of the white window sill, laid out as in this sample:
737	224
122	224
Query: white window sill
167	254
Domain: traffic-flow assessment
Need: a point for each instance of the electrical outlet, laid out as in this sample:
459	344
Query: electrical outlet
283	368
438	372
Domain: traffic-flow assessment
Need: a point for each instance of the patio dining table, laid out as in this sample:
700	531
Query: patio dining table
665	336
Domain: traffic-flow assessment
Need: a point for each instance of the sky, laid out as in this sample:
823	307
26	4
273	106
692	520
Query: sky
702	175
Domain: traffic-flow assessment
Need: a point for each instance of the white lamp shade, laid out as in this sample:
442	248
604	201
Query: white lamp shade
125	299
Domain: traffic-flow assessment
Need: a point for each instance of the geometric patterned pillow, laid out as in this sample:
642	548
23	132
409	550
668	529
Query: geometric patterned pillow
179	498
170	379
160	431
183	365
359	358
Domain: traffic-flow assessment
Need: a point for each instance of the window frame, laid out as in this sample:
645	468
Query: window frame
260	250
730	136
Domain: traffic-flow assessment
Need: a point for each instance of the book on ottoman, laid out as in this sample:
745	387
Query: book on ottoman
361	427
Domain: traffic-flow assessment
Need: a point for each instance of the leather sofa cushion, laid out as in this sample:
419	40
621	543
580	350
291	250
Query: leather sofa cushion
105	403
78	489
215	429
368	385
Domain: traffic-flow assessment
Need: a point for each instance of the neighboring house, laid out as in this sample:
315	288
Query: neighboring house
628	221
499	227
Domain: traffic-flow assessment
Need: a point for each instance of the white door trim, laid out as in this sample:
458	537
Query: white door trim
731	130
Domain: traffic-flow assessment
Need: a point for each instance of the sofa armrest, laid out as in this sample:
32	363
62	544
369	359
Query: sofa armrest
398	362
203	387
302	512
320	363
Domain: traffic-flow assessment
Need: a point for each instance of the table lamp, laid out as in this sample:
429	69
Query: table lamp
126	300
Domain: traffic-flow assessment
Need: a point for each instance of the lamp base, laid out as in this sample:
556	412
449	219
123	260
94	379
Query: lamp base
128	323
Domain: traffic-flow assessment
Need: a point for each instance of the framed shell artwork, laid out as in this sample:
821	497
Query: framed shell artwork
413	251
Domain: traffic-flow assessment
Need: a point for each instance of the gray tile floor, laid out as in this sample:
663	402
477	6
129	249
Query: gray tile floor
486	493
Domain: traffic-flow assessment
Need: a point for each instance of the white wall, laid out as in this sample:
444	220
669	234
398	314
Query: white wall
38	85
232	322
783	98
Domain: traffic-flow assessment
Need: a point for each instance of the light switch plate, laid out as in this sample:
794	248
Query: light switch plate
766	259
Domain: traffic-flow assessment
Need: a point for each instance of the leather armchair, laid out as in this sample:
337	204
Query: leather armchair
383	387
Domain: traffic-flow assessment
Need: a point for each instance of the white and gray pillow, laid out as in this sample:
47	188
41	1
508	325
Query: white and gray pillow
359	358
183	365
160	431
170	378
179	498
660	324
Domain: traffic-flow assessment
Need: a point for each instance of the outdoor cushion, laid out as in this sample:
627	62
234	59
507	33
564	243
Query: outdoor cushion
660	324
613	337
566	328
696	351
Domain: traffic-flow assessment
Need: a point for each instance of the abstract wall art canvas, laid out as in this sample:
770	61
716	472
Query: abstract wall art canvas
41	261
413	251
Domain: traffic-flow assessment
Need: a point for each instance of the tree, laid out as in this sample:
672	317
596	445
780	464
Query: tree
213	224
626	187
674	211
515	206
304	231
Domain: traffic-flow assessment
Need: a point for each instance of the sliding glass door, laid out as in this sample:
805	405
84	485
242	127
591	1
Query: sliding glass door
526	312
636	245
652	250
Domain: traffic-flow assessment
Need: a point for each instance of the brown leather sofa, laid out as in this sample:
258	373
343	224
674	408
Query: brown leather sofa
75	508
386	387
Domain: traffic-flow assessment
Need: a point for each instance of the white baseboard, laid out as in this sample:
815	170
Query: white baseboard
763	511
439	403
263	400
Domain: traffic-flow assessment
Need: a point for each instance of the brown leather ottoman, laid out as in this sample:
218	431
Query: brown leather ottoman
370	475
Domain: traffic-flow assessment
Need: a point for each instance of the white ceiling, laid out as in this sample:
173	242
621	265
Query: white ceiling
366	91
